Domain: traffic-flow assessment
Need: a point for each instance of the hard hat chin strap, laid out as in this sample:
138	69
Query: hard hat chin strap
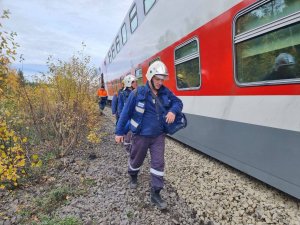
153	86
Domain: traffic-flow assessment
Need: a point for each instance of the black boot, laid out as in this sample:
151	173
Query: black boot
133	181
157	200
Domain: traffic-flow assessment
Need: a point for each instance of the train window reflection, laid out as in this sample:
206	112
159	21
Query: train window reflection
187	50
276	56
139	76
187	65
266	13
133	19
124	34
148	5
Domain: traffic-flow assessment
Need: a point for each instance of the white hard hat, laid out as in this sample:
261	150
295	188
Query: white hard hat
128	80
157	68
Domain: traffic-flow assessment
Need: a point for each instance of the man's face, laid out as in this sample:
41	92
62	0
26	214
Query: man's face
158	82
134	84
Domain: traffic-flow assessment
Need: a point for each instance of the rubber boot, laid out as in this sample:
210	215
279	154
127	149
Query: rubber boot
133	181
157	200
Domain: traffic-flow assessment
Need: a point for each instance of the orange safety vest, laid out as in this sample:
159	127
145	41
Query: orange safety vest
102	92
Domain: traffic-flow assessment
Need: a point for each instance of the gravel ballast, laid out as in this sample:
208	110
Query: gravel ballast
198	190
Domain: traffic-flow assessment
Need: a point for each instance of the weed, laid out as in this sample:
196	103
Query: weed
25	213
51	155
53	199
59	194
129	214
46	220
89	182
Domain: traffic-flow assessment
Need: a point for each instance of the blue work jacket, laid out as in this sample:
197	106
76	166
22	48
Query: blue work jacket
122	98
114	104
144	114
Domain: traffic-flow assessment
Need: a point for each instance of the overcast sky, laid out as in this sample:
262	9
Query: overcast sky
58	27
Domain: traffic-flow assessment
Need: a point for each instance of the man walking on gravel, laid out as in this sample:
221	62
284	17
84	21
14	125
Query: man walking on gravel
147	121
102	99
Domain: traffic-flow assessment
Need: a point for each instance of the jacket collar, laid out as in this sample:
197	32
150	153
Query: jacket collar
161	91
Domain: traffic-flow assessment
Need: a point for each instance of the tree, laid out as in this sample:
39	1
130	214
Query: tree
8	47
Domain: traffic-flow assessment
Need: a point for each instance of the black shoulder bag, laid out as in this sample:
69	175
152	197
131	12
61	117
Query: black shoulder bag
179	123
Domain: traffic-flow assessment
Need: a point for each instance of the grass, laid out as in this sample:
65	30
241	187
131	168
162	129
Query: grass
53	199
41	211
46	220
89	182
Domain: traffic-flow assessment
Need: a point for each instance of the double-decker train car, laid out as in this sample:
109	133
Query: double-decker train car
235	64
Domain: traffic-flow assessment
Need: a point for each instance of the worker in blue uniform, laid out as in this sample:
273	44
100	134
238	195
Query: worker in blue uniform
114	102
147	125
130	84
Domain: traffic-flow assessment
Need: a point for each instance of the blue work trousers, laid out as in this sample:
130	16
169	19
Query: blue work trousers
139	148
102	104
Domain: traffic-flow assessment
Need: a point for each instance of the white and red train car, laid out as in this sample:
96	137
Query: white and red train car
235	64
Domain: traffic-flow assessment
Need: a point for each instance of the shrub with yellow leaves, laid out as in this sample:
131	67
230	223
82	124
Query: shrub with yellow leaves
59	110
93	137
12	156
7	49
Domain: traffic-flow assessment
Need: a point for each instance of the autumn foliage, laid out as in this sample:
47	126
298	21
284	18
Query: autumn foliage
57	111
62	107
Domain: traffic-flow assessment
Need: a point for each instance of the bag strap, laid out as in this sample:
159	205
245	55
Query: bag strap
158	101
124	97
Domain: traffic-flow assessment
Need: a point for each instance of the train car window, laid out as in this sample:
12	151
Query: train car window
124	34
113	53
133	19
270	53
266	13
118	44
139	76
187	65
148	5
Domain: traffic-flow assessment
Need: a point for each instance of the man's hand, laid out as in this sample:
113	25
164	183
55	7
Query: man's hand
170	117
119	139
